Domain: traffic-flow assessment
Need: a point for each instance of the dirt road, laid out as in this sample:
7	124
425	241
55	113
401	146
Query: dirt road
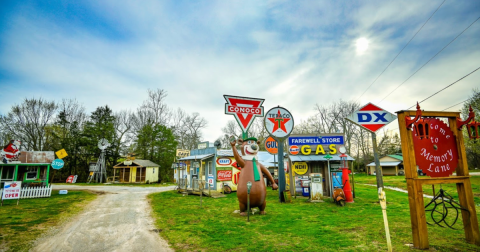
118	220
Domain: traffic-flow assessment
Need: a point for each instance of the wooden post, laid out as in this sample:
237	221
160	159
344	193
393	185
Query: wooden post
417	210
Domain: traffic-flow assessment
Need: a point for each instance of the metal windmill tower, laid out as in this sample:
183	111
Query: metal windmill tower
100	170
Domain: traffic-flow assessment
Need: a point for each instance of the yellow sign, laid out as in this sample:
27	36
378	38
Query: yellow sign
307	150
300	168
183	153
61	153
91	173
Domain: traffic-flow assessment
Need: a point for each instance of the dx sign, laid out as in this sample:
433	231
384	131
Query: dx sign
367	117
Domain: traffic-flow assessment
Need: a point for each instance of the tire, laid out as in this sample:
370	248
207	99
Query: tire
227	189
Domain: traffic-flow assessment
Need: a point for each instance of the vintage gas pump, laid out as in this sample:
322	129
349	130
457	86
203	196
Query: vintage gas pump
317	188
347	189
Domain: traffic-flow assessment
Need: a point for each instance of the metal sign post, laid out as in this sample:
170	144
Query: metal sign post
279	124
373	118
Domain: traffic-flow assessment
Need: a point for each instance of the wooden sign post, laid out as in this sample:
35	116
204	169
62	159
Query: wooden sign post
414	183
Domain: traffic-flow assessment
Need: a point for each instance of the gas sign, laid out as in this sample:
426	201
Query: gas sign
271	145
371	117
300	168
294	150
279	122
244	109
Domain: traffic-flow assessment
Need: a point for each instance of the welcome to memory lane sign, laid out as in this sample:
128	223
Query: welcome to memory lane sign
315	140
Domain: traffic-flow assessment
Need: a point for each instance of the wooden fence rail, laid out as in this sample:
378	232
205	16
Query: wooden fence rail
34	192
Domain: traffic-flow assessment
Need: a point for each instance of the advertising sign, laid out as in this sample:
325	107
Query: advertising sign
11	190
224	161
279	122
244	109
203	145
371	117
57	164
182	153
294	150
210	181
315	140
300	168
224	175
271	145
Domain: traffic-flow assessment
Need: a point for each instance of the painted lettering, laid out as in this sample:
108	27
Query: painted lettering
333	150
364	117
380	117
306	150
320	150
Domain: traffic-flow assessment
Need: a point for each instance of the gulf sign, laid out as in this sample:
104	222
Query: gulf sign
371	117
224	161
271	145
294	150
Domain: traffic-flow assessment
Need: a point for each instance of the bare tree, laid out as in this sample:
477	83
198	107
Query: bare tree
155	107
27	122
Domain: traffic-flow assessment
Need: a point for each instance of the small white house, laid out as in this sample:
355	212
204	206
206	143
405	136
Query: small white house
139	171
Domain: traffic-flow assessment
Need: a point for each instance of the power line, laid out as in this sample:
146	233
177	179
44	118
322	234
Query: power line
430	59
457	104
445	87
401	50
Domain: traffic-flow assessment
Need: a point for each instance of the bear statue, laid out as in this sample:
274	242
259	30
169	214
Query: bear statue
251	171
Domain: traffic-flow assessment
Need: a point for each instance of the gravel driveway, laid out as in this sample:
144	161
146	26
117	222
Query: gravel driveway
118	220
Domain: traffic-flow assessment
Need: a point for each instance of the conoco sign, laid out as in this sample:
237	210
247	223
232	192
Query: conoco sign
435	147
224	175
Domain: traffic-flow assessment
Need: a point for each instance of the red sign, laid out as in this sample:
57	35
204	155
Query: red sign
271	145
436	154
244	109
223	175
70	179
294	150
224	161
371	117
236	178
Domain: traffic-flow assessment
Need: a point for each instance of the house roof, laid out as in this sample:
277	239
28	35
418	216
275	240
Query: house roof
396	157
197	157
138	162
385	164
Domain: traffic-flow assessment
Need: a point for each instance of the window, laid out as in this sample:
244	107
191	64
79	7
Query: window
317	167
31	173
210	168
153	170
7	173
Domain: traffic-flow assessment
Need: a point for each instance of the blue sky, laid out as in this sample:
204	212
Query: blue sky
291	53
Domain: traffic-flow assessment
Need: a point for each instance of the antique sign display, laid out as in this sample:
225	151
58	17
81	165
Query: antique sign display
57	164
371	117
182	153
300	168
244	109
271	145
436	155
279	122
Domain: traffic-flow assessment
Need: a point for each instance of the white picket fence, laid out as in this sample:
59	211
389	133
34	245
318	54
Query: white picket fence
34	192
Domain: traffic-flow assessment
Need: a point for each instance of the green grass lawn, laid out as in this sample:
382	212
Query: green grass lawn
21	225
400	182
297	226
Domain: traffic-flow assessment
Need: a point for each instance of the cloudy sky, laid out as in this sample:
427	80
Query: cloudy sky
291	53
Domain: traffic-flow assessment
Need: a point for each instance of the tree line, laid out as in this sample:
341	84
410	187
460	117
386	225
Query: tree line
153	131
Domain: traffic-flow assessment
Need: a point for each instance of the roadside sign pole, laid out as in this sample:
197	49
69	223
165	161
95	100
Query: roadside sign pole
381	193
281	171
